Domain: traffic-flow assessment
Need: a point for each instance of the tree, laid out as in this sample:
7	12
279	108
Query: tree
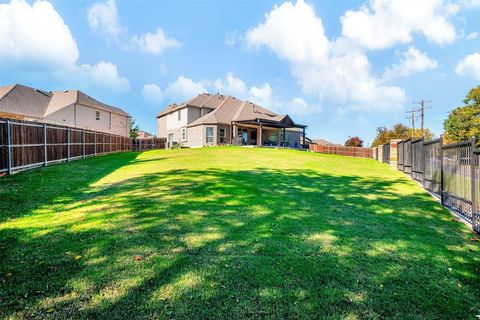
463	122
134	129
354	142
399	131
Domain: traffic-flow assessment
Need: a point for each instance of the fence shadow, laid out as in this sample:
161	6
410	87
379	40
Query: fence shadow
236	244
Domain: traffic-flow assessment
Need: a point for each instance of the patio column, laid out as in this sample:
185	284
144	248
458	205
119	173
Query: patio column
304	142
234	132
259	135
284	137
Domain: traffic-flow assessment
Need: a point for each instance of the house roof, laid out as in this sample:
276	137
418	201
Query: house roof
20	99
227	109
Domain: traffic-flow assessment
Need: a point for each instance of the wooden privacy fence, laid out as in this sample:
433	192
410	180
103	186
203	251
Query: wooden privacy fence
343	151
451	171
148	144
25	145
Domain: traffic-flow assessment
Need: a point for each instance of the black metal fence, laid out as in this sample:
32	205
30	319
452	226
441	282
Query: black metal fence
386	153
450	171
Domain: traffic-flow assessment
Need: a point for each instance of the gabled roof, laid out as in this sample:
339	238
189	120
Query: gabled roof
203	100
224	113
23	100
228	109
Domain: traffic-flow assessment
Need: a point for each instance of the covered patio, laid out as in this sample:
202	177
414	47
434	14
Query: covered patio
268	132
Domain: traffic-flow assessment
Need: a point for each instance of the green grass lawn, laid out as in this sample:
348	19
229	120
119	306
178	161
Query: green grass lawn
230	233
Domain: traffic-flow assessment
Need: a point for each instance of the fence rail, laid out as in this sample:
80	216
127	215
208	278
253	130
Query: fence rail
26	145
343	151
452	172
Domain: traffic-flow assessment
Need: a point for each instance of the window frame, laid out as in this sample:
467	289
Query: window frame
221	135
207	136
97	115
183	134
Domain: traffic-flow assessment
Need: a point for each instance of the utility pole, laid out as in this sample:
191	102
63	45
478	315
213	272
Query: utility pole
422	113
412	117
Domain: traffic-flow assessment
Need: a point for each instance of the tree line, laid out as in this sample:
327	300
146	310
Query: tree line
461	124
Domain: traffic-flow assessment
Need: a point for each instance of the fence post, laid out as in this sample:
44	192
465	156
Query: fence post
95	143
45	144
68	144
474	200
83	134
441	171
9	148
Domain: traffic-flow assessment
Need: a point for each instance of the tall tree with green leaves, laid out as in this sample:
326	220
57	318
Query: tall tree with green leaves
463	122
399	131
134	129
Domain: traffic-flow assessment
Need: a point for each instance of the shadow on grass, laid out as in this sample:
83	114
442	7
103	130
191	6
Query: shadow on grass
240	244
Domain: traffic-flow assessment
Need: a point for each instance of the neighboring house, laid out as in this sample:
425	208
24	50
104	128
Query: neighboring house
219	120
324	142
70	108
144	135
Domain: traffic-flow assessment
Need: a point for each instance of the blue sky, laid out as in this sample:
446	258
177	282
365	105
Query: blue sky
341	67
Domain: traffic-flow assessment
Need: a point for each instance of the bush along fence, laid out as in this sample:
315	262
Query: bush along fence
343	151
449	171
26	145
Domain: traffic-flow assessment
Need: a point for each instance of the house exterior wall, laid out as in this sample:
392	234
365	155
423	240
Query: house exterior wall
64	116
227	134
85	118
194	136
172	119
162	127
120	124
193	114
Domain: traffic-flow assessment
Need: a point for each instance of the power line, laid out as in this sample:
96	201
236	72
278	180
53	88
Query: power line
422	112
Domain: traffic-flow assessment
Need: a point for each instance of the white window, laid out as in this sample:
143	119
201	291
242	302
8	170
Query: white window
209	134
222	135
179	115
184	134
97	115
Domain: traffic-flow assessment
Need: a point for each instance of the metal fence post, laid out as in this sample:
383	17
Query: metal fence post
9	148
441	171
95	143
45	144
474	195
83	134
68	144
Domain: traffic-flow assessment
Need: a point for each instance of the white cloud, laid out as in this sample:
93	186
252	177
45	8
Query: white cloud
105	74
411	61
35	35
152	93
184	88
384	23
324	69
23	45
261	95
470	65
103	17
298	106
233	86
471	36
154	43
